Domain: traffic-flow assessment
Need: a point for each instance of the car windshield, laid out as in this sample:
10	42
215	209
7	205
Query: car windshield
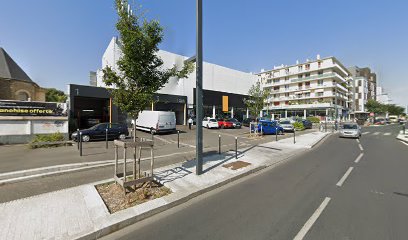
98	126
213	120
233	120
350	126
285	122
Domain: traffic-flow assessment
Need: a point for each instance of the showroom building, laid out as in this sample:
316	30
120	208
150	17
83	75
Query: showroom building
224	90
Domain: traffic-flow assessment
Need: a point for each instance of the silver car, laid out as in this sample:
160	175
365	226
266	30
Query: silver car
352	130
286	125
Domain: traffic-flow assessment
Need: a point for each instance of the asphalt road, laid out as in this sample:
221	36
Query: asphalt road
313	196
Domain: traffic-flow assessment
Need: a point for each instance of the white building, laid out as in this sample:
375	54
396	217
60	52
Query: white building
224	88
382	96
313	88
360	97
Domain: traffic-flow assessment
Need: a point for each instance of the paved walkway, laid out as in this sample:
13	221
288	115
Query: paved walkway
79	212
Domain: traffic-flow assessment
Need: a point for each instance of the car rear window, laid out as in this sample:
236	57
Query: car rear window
349	126
285	122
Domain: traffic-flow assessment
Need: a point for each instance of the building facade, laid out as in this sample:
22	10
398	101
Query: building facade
314	88
382	96
224	88
371	79
15	84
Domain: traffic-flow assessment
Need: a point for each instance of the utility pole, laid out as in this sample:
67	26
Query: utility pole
199	87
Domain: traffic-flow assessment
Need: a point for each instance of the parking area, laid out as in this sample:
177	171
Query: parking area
166	148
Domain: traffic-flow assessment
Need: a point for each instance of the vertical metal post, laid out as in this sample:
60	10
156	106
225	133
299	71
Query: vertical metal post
294	136
151	165
80	144
106	138
236	148
124	165
219	144
178	139
276	133
199	87
325	125
78	138
116	160
261	130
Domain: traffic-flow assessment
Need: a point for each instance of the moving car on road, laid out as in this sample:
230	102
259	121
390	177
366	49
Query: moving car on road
210	122
286	125
352	130
98	132
225	123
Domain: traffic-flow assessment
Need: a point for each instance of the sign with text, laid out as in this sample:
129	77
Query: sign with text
22	108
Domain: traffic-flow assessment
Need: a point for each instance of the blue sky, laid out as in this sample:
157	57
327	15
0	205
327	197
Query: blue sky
58	42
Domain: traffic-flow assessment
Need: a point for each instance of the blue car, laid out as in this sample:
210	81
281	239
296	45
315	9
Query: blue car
269	127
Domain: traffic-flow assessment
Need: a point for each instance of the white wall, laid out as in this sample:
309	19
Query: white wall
215	77
22	126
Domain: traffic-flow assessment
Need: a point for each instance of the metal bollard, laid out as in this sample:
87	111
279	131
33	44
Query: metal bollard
219	144
294	136
106	138
236	148
403	129
80	144
178	139
78	138
325	126
261	130
276	133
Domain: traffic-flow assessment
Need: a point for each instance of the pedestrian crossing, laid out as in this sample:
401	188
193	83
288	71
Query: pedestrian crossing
377	133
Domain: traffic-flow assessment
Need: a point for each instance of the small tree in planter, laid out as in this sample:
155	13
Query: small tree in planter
255	101
141	72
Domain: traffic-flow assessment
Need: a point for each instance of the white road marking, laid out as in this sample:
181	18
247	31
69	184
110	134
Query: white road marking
308	225
376	133
358	140
162	139
343	179
364	133
361	147
404	143
359	157
387	134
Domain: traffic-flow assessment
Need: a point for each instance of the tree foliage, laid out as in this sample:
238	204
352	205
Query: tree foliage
55	95
141	72
377	107
256	99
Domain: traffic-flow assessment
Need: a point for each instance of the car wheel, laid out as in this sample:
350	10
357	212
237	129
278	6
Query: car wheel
122	136
85	138
152	131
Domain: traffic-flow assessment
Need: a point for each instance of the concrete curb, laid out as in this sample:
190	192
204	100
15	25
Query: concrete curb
403	138
126	222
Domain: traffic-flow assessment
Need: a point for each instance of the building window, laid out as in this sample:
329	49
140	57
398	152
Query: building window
276	88
319	82
276	103
307	75
286	94
286	87
276	80
307	94
300	68
286	78
300	76
320	72
22	96
287	70
320	94
319	64
307	66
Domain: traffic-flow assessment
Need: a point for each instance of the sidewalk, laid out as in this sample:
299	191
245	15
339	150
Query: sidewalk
403	137
79	212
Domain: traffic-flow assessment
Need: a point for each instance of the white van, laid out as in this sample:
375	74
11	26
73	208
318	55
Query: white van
156	121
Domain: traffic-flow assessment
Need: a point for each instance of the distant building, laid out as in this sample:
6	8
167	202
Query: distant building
312	88
92	78
15	84
382	96
371	79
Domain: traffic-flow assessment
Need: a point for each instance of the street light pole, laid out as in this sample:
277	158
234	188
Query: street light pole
199	87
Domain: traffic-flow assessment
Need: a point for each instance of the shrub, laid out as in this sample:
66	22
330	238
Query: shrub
298	126
313	119
54	137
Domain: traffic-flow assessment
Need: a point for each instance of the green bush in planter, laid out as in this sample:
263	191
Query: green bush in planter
313	119
54	137
298	126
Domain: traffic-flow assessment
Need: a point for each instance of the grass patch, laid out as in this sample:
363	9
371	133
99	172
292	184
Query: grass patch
47	138
115	199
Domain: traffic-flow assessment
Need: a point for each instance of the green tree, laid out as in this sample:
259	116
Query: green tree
393	109
375	107
256	99
55	95
141	72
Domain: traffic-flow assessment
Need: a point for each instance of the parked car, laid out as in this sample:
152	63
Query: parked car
379	121
286	125
156	121
236	123
210	122
246	122
268	127
225	123
352	130
306	123
402	121
98	132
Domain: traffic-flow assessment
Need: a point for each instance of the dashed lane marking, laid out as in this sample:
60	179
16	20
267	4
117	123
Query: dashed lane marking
359	157
387	134
343	179
361	147
308	225
364	133
404	143
376	133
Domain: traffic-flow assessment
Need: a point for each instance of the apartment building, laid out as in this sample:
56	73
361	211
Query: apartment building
314	88
361	89
371	79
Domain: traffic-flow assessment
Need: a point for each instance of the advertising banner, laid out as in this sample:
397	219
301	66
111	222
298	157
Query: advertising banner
23	108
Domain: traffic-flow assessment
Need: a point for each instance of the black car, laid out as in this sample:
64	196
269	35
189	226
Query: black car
247	121
307	124
235	123
98	132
